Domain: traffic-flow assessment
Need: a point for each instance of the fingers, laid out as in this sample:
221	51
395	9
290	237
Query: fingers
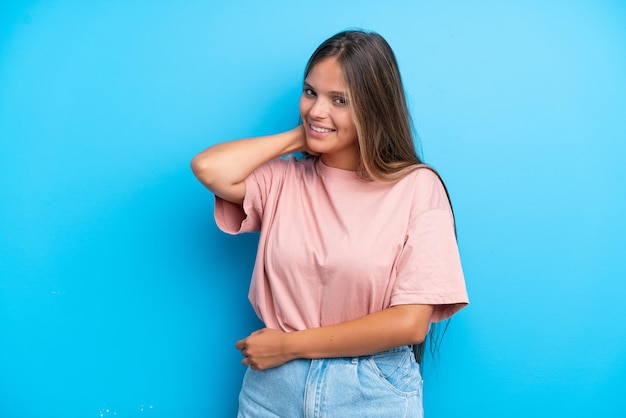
247	362
241	344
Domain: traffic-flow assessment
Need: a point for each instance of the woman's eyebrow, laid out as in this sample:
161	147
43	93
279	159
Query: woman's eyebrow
332	93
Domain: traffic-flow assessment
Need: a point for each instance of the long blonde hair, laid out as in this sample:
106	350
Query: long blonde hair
377	101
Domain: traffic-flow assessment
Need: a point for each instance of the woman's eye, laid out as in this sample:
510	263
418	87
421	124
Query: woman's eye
309	91
341	101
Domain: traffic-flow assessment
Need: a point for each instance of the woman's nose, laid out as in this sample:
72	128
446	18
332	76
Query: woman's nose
319	109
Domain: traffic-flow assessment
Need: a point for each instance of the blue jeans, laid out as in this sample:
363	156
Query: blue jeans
386	384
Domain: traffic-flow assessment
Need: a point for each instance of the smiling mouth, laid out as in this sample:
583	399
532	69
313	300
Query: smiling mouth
320	130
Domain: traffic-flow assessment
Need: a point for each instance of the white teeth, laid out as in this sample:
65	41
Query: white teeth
320	130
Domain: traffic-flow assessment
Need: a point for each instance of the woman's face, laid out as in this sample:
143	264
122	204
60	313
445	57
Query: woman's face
325	112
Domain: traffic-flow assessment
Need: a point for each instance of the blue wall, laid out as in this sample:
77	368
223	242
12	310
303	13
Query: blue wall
119	297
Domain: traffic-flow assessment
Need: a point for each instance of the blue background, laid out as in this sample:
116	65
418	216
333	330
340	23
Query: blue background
118	295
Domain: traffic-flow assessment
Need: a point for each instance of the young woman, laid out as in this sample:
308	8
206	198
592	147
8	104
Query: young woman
357	252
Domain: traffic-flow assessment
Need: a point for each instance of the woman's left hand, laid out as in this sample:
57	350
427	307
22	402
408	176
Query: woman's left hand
264	349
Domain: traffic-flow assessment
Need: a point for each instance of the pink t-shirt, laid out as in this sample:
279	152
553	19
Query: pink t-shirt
334	247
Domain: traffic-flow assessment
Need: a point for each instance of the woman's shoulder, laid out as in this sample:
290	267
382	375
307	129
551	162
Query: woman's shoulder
423	175
427	185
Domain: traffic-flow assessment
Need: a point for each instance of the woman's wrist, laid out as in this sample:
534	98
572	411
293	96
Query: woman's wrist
295	140
294	347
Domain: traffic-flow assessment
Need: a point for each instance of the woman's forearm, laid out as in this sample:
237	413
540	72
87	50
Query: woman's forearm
224	167
392	327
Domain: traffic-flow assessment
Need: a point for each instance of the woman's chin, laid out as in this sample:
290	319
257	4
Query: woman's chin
313	147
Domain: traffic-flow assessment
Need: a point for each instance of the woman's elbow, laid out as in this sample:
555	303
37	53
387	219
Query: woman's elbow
204	169
416	332
416	322
419	335
211	171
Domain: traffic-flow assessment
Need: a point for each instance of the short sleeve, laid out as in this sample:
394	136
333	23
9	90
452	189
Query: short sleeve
429	267
234	218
